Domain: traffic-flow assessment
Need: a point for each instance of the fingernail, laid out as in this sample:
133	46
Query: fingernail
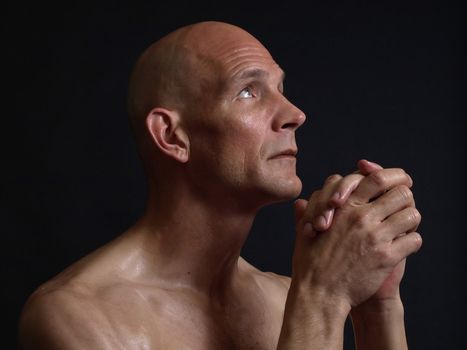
322	221
327	216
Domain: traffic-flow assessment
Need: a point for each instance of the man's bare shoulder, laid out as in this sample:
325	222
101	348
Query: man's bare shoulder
79	306
271	277
276	286
85	316
54	318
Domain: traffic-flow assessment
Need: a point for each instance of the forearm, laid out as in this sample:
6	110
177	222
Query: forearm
380	325
312	322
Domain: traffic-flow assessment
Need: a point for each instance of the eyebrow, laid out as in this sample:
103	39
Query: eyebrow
256	73
252	73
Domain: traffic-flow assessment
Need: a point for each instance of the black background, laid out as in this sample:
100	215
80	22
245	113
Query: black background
378	80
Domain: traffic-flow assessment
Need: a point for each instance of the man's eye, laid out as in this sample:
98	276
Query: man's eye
246	93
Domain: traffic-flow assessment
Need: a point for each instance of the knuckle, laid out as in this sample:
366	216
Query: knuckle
400	170
384	256
405	193
414	215
332	178
379	178
406	176
359	218
418	241
414	244
372	238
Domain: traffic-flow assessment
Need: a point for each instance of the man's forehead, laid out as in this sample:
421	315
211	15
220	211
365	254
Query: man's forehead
247	58
225	46
220	54
242	60
257	73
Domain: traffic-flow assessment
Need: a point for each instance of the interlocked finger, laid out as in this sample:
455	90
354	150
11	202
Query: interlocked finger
394	200
379	182
400	223
405	245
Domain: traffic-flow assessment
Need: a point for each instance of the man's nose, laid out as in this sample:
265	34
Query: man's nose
288	117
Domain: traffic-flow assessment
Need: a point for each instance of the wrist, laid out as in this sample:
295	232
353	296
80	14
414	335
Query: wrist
316	300
312	318
374	313
379	324
379	307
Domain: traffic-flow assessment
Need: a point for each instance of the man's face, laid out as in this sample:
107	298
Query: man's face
242	139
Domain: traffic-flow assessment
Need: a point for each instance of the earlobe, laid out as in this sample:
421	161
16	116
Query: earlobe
167	134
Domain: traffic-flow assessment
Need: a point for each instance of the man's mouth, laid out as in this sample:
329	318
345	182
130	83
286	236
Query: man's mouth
289	153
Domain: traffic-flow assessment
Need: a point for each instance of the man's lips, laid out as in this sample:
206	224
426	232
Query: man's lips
289	153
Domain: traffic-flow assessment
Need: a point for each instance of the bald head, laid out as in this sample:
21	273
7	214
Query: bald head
174	71
208	108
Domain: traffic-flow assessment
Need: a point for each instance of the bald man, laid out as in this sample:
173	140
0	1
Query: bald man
217	139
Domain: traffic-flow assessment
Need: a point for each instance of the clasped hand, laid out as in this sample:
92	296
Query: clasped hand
354	234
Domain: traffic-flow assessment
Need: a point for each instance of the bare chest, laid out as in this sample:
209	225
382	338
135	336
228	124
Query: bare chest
167	321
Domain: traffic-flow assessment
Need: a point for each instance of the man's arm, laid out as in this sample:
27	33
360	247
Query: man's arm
341	268
327	334
379	321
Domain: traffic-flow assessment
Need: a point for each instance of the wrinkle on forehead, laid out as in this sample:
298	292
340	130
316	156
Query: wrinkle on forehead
248	59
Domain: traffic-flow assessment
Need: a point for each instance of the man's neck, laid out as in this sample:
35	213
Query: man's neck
193	244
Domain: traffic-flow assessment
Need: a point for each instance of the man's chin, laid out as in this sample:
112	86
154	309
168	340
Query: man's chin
285	190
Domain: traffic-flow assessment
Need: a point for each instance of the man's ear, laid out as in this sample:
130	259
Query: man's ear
166	132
